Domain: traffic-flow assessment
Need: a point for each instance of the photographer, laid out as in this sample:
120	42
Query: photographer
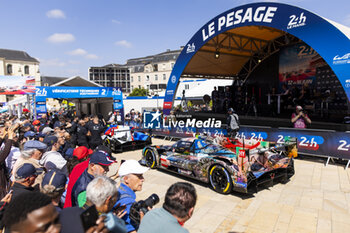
131	175
178	207
299	118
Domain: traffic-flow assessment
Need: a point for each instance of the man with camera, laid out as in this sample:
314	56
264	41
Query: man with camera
131	175
299	118
178	207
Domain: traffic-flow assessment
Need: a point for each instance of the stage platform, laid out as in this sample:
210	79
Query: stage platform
274	122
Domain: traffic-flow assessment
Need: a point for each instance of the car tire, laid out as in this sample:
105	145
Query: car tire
219	179
107	142
150	158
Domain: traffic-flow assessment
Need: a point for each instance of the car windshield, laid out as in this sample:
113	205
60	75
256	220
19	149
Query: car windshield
207	147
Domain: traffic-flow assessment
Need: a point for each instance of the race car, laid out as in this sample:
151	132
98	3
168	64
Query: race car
225	169
120	138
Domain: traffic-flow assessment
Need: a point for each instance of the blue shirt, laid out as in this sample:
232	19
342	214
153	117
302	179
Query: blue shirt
126	197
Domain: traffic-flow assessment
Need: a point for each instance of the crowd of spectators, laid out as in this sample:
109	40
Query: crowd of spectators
53	178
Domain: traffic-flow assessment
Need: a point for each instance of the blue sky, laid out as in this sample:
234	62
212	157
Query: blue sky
69	36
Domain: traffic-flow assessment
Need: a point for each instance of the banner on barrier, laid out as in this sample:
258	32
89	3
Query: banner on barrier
313	142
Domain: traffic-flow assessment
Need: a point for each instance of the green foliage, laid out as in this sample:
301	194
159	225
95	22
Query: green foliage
139	92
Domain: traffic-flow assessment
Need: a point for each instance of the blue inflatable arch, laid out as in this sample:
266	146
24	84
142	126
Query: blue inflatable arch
245	35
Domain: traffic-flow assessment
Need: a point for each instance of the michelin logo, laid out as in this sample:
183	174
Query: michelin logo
345	59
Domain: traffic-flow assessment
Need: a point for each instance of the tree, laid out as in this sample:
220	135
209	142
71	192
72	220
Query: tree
139	92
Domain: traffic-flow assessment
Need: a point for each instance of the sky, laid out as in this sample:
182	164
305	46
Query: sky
69	36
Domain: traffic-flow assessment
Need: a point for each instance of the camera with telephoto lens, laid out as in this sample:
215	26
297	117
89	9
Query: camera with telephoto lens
142	206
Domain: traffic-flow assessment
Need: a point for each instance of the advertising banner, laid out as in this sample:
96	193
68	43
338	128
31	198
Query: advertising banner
17	85
297	65
311	142
42	93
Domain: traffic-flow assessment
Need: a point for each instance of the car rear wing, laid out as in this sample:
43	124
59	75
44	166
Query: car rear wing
289	146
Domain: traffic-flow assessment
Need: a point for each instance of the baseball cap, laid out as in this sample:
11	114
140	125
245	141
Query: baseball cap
24	171
101	158
47	130
55	178
298	107
81	152
29	134
230	110
34	144
131	167
50	140
36	122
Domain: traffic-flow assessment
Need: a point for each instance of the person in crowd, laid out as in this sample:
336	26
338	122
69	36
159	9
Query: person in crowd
82	134
131	176
178	207
102	192
305	95
98	165
6	138
76	166
53	185
30	213
47	130
73	130
60	123
300	118
31	153
43	120
52	159
232	123
96	129
24	180
215	100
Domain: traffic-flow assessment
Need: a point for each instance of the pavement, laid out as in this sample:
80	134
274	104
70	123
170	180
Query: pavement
316	199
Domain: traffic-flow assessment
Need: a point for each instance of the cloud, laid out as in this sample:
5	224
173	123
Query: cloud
57	38
77	52
83	53
56	14
347	20
52	62
123	43
91	56
116	21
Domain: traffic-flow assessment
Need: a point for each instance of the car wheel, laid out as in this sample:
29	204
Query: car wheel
220	179
150	158
107	143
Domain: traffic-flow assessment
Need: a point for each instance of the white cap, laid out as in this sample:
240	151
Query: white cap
47	130
131	167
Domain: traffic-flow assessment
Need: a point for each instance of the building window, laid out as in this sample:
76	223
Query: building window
139	86
132	88
164	76
147	78
139	78
9	69
172	65
156	77
26	69
164	66
187	86
132	79
147	87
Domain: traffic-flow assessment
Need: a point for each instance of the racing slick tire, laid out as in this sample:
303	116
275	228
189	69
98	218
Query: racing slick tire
219	179
150	158
107	142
